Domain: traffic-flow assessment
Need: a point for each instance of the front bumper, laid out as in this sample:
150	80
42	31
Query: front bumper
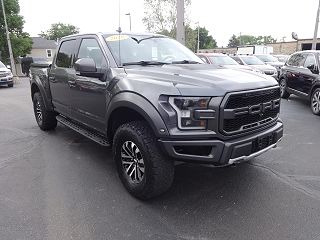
219	152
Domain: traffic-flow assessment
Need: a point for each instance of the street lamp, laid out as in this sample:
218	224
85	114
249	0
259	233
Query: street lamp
129	14
198	42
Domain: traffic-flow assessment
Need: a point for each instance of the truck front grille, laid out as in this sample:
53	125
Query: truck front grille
245	111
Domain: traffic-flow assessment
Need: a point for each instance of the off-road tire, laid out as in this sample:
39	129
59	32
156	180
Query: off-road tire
158	169
46	119
283	92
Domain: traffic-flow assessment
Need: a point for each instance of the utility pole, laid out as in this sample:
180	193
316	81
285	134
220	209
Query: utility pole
240	39
13	66
315	35
180	22
129	14
198	42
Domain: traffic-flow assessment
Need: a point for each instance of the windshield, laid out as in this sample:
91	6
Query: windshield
252	60
135	49
267	58
2	65
222	60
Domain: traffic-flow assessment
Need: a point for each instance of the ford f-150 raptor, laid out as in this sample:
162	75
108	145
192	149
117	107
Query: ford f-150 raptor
155	103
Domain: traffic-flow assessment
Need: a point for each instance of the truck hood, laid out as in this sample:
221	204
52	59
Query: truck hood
200	79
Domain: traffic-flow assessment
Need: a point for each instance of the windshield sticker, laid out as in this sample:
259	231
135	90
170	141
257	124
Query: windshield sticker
116	38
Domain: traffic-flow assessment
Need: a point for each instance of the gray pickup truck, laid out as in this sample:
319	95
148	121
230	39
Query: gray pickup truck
155	103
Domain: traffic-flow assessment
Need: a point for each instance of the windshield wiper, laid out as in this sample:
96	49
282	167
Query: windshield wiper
146	38
144	63
185	62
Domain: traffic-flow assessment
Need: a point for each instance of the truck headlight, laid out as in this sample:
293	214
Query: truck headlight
192	112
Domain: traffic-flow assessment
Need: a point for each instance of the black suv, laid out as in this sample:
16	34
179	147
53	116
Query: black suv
300	76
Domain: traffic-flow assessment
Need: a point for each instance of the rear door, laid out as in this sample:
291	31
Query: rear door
89	93
59	76
294	65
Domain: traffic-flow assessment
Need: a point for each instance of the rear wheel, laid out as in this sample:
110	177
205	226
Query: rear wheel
143	169
46	119
315	101
283	86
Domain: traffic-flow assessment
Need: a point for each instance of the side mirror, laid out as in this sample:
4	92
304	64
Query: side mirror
87	67
9	67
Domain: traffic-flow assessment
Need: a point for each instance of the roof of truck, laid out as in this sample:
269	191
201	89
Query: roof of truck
115	33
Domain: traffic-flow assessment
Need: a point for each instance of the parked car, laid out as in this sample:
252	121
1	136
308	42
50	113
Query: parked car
6	77
300	76
256	63
271	60
281	57
224	60
155	102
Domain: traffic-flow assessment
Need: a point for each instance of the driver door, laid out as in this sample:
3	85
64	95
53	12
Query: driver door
89	93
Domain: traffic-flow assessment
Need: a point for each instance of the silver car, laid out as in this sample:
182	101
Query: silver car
6	77
256	63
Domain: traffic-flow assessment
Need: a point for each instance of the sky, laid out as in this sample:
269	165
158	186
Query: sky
278	18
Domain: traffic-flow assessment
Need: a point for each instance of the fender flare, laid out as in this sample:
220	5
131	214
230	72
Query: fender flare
141	106
47	102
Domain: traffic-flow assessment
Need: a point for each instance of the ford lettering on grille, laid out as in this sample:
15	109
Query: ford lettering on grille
247	110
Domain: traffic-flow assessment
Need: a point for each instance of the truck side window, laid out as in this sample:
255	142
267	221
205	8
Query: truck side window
90	48
64	56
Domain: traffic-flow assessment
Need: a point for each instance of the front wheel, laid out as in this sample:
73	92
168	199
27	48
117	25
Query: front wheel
143	169
283	91
315	101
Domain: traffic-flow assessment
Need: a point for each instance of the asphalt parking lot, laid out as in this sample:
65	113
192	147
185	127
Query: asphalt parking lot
60	185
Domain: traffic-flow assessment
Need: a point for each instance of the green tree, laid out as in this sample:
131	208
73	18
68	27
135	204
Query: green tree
59	30
233	41
250	40
261	40
206	40
161	15
21	41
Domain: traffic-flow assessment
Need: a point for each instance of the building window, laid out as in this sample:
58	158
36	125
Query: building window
49	53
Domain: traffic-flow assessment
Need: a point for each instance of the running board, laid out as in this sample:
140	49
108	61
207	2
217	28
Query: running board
85	132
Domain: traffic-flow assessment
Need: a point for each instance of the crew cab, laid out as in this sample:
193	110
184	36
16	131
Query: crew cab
155	103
